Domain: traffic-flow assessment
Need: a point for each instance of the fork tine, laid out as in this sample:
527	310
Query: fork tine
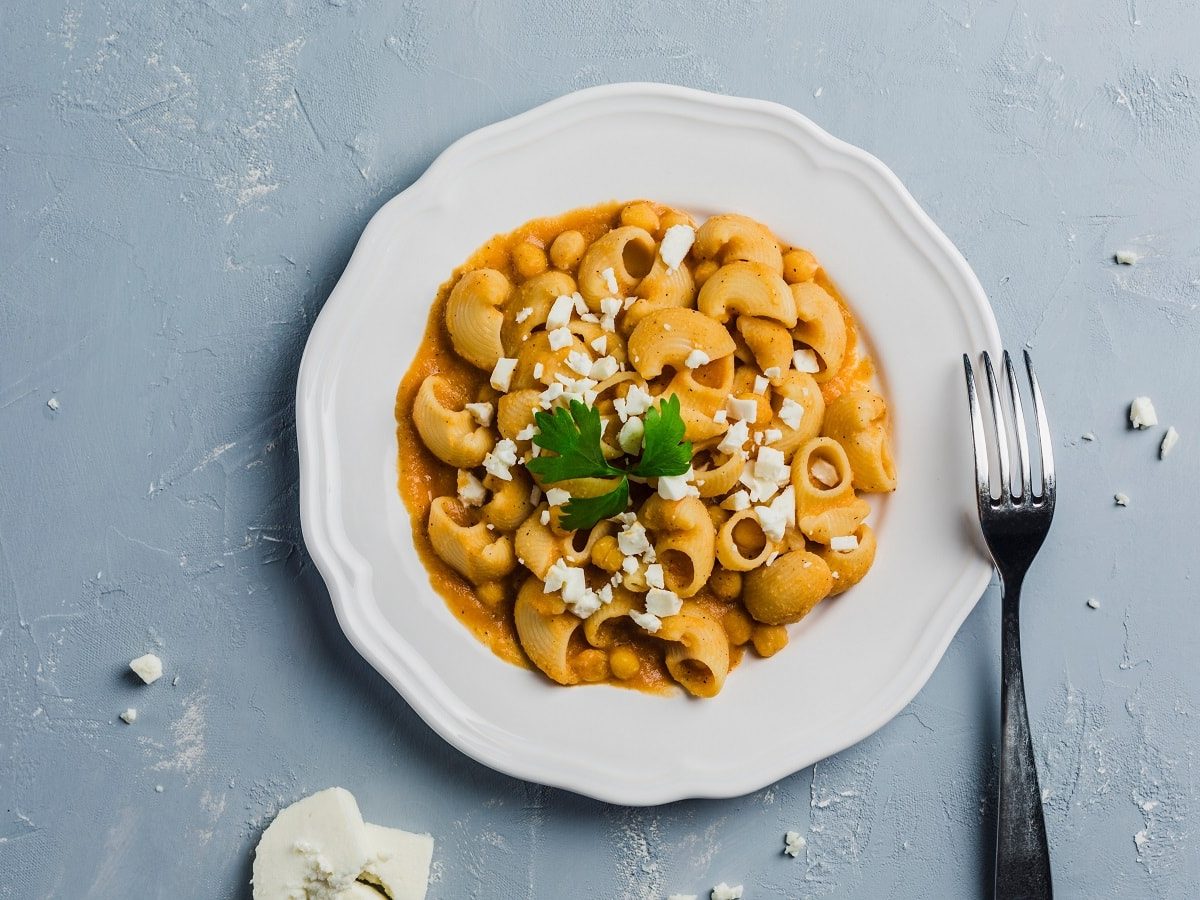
1018	424
1001	428
1043	428
978	439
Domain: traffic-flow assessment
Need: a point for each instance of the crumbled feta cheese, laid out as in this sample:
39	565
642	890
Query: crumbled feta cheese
550	394
1141	413
1121	499
758	437
696	359
805	360
528	433
745	410
724	892
775	518
654	576
793	843
604	367
770	560
629	565
502	373
560	312
471	491
791	413
605	594
1170	439
610	306
773	371
523	314
610	280
736	501
682	896
760	385
661	602
147	667
1126	257
844	543
581	306
559	338
480	412
676	487
771	435
1093	603
557	496
1088	436
824	472
538	370
721	416
559	574
637	401
600	344
628	302
770	464
632	540
629	438
579	362
53	403
648	621
735	438
544	518
129	716
501	459
676	243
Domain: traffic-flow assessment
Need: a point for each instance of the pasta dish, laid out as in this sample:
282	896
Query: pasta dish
634	446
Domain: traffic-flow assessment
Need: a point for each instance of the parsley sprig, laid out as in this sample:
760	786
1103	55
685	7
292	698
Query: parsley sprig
573	436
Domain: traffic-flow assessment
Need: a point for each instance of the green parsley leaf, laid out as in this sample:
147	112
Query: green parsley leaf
584	512
574	437
664	451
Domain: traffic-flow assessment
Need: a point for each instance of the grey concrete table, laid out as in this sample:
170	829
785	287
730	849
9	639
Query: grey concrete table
183	182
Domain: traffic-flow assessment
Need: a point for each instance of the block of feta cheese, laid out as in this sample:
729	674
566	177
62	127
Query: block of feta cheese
147	667
314	849
398	862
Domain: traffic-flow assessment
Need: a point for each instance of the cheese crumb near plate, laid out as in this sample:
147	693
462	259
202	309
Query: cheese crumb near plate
319	848
129	716
148	668
1121	499
1093	603
53	403
1088	436
794	843
1141	413
724	891
1126	257
1170	439
682	897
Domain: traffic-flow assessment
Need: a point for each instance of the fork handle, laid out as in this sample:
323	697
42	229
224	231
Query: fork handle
1022	851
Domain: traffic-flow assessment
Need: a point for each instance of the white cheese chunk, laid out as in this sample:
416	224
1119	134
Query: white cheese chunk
629	438
637	401
1170	439
721	416
696	359
632	540
579	362
147	667
735	438
629	565
129	716
825	472
676	243
604	367
770	465
773	372
743	410
471	491
503	372
1093	603
528	433
560	312
53	403
736	501
676	487
538	370
844	543
794	843
682	897
661	602
610	306
557	496
544	518
791	413
559	338
610	280
501	459
480	412
654	576
771	435
724	892
648	621
600	344
314	849
1126	257
760	385
398	862
1141	413
1121	499
523	314
805	360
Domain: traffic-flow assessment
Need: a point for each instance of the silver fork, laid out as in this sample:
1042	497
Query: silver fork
1014	526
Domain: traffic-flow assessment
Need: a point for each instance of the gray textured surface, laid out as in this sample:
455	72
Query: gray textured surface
182	184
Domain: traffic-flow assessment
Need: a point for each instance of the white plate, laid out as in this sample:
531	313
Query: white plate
856	661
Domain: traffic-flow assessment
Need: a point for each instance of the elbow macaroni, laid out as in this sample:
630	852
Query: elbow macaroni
673	591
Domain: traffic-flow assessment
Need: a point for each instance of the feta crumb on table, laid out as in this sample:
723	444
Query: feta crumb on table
1141	413
148	668
1170	439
